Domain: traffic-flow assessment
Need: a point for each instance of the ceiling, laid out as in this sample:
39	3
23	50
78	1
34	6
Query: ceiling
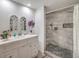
58	4
51	5
34	3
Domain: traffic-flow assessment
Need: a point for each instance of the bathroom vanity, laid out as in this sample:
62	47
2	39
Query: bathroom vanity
25	46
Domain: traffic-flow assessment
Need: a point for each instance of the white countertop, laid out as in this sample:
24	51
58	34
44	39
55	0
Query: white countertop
17	38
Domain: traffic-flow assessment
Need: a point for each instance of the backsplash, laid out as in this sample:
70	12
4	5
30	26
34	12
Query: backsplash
56	34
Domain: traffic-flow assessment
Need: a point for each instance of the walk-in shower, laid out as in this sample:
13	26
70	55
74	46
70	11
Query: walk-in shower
59	32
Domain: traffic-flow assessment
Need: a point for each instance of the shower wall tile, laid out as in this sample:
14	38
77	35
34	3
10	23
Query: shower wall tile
63	36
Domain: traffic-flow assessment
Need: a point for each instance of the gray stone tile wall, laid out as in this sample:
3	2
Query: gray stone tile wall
62	37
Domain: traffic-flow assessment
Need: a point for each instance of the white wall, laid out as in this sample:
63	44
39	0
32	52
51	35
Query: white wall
76	31
40	27
8	8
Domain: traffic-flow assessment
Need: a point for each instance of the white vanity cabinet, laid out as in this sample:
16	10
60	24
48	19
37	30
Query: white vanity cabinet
25	48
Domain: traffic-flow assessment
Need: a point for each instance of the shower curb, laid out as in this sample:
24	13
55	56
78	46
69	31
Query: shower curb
51	55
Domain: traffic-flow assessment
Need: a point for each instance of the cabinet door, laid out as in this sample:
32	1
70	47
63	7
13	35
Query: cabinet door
12	54
32	47
33	51
23	51
26	51
2	50
29	49
2	56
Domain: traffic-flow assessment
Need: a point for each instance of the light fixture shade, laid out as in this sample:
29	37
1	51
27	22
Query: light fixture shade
29	5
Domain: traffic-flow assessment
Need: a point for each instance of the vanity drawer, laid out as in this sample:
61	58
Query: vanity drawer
14	45
33	42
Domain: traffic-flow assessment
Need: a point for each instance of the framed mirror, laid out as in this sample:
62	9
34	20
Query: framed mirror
13	23
22	24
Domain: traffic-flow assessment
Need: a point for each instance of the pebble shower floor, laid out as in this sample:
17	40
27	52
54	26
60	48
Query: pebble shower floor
61	52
